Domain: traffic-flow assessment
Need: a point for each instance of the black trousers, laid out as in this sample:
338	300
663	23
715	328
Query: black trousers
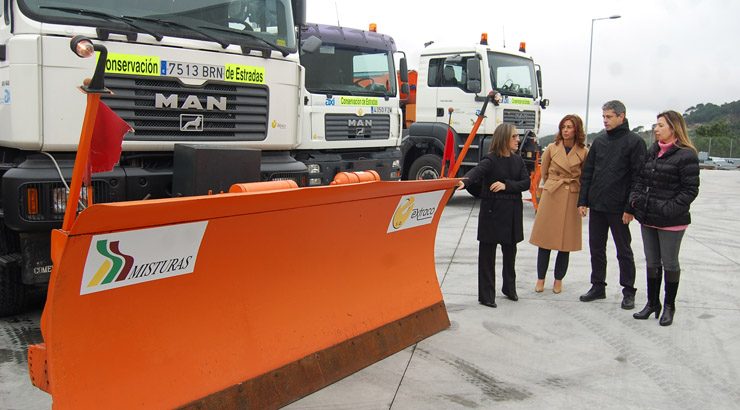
599	225
543	261
486	274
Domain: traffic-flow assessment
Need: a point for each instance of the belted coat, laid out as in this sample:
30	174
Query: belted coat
500	219
557	225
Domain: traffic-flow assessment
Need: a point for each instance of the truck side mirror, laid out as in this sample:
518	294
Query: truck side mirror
311	45
473	71
538	73
404	70
299	12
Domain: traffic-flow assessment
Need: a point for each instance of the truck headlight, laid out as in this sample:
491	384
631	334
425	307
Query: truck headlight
396	163
314	169
314	181
59	199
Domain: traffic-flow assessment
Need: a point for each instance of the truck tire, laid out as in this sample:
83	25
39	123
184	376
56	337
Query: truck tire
12	292
427	166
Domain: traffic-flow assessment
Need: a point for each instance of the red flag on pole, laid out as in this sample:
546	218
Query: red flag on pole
449	154
105	146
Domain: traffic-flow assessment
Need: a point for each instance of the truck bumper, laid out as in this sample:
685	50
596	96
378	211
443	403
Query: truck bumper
323	166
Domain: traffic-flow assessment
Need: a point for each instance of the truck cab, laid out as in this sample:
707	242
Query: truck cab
453	82
219	74
351	119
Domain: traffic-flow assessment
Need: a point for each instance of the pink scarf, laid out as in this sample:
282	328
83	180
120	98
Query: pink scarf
665	146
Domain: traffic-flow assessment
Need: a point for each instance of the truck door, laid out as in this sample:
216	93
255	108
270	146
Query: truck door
452	92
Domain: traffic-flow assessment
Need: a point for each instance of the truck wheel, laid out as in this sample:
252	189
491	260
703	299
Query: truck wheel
426	167
12	292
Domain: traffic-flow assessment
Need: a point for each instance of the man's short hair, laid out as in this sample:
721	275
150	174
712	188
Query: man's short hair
614	105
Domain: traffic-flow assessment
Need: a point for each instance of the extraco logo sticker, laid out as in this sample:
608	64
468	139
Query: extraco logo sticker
415	210
132	257
403	213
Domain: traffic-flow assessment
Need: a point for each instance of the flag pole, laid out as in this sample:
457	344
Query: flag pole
93	88
444	157
456	166
81	159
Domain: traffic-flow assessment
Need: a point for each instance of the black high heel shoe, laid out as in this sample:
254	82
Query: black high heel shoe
648	310
667	318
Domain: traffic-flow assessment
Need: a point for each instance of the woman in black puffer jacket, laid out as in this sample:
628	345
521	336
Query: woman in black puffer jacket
661	197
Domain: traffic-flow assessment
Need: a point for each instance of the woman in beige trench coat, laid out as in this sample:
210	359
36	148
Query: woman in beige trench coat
557	224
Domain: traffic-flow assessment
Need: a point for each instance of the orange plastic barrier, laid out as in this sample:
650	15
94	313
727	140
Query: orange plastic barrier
534	182
263	186
355	177
228	301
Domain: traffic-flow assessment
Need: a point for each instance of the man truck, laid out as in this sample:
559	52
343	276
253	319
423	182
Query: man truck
452	83
220	79
351	117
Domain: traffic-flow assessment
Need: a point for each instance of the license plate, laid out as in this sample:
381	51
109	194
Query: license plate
380	110
192	70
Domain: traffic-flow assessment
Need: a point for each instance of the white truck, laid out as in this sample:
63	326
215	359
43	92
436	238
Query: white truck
217	76
351	118
459	78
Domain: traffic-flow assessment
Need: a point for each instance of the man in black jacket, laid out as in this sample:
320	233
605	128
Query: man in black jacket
615	158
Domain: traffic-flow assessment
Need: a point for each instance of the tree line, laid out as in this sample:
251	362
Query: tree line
714	129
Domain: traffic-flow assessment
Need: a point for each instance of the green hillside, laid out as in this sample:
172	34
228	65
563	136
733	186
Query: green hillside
713	128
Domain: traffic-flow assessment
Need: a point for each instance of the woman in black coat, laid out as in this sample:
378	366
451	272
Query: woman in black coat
661	197
504	177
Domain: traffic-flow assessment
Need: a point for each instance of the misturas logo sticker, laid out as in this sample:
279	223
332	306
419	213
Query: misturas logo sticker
415	210
132	257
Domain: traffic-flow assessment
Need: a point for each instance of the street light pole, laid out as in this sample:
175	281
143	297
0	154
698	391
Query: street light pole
590	54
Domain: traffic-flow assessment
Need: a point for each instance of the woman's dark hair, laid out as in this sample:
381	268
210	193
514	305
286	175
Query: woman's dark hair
580	137
501	138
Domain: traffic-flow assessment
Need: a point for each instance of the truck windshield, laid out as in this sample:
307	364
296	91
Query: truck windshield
512	75
334	69
265	22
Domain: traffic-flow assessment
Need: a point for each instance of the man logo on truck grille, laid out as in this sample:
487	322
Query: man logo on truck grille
518	118
191	102
191	122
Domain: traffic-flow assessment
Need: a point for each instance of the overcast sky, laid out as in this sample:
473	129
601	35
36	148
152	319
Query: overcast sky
661	54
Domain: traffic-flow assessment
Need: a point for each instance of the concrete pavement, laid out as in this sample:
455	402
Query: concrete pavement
546	350
553	351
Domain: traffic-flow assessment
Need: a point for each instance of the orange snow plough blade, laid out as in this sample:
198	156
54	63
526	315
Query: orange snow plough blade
250	299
